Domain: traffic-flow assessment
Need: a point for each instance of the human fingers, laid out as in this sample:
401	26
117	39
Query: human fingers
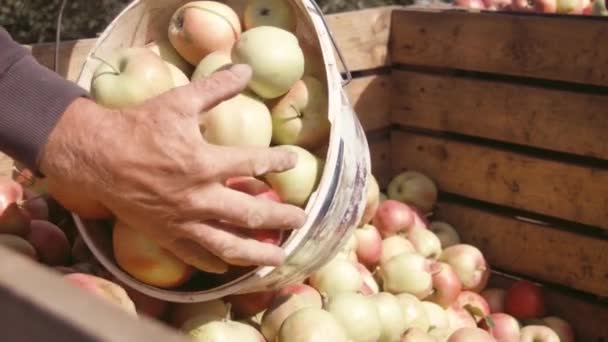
243	210
203	94
193	254
225	242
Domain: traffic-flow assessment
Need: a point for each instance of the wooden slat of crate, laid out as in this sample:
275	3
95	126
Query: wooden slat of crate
38	305
557	120
543	186
370	96
587	317
362	37
563	48
548	254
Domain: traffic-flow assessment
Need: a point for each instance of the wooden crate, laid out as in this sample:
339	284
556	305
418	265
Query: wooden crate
508	113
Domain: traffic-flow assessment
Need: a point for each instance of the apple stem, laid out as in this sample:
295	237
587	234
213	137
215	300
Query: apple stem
298	113
106	63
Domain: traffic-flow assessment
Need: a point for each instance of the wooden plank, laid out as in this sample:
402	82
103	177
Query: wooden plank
546	118
37	303
370	96
362	37
543	186
548	254
511	44
587	318
380	158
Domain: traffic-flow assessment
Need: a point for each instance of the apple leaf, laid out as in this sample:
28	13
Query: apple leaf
474	311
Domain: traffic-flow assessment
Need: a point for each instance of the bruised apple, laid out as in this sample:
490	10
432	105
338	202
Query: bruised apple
276	67
103	288
242	120
145	260
295	186
300	116
129	76
199	28
213	62
278	13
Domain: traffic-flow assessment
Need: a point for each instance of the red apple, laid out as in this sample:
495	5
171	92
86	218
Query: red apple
525	300
393	217
470	265
369	245
470	335
503	327
446	286
51	243
249	304
460	318
495	298
474	303
538	333
561	327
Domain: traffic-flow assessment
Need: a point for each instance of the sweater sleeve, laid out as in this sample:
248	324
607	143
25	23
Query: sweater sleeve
32	99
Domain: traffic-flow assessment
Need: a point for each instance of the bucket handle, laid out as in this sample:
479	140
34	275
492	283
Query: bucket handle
349	76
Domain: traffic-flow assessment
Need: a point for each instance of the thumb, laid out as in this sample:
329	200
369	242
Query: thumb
203	94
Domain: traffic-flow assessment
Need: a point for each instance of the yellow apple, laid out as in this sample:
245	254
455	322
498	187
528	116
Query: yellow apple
278	13
277	66
167	52
201	27
145	260
295	186
211	63
130	76
300	116
243	120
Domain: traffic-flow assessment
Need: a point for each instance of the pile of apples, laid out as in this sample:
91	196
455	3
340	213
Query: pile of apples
573	7
285	104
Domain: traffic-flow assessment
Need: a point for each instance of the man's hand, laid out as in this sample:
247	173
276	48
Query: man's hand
152	168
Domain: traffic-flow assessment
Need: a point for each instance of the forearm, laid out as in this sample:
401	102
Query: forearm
32	99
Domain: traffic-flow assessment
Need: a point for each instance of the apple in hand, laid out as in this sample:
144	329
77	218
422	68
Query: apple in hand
277	13
130	76
145	260
167	52
413	188
525	300
71	199
213	62
538	333
199	28
300	116
295	186
242	120
277	66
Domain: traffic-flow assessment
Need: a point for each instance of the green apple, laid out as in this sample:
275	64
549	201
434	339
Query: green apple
300	116
277	66
295	186
243	120
129	77
167	52
211	63
278	13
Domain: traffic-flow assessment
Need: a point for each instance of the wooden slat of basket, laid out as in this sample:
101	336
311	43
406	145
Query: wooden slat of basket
558	120
563	48
587	317
497	176
370	96
37	305
548	254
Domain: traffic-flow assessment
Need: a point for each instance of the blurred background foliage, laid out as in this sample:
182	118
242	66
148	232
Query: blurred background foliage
34	21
